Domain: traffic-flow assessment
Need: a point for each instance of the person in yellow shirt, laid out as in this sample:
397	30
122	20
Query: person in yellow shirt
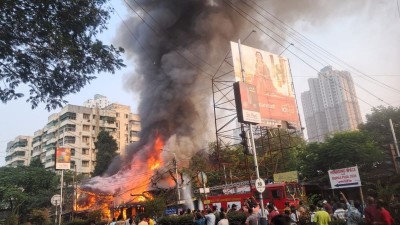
150	221
321	217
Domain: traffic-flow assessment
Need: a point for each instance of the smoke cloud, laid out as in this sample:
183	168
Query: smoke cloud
175	45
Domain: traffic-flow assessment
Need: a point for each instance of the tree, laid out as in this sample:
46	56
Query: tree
155	207
36	162
345	149
377	125
51	47
106	150
25	188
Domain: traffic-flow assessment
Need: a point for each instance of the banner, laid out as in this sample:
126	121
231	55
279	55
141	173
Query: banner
269	73
63	158
289	177
344	178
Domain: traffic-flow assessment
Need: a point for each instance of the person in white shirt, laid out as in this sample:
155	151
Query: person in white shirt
210	217
143	221
223	220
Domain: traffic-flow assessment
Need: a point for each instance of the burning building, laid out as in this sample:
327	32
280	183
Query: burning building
176	46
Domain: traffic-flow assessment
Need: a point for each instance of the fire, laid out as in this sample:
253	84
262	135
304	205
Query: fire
127	186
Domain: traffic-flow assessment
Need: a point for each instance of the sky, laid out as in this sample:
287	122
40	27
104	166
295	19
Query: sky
364	34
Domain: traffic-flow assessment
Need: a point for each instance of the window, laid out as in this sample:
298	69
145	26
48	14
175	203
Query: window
134	133
85	151
126	116
126	139
85	163
94	117
117	115
86	116
126	127
72	152
86	128
85	139
72	164
276	193
94	128
69	140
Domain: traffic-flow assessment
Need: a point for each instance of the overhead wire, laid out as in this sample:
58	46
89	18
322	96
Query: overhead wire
279	43
315	49
356	84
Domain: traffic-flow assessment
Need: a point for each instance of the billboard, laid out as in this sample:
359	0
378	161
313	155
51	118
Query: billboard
269	73
63	158
247	107
290	177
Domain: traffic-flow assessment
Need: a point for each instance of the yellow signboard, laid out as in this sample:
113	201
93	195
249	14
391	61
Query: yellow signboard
291	176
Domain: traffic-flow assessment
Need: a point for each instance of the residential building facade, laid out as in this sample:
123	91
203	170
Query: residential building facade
18	152
330	105
99	101
77	128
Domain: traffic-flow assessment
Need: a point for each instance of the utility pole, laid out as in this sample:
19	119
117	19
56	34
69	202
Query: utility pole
177	184
394	138
253	148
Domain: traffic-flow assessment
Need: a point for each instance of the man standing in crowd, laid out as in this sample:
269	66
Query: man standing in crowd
321	217
384	216
210	217
371	212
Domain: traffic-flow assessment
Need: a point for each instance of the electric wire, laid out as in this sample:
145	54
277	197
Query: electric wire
356	84
310	44
298	57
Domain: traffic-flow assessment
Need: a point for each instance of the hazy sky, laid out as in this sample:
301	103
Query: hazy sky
364	34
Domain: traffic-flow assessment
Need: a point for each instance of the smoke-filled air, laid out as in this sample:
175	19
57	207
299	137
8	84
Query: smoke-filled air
175	52
176	46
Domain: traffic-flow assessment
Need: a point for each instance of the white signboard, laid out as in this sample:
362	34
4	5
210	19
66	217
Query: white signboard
55	200
260	185
344	178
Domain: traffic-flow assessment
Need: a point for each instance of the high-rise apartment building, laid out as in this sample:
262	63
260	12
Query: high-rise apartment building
18	152
99	101
77	127
330	105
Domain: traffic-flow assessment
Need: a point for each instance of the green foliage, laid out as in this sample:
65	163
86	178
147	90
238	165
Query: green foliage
36	162
343	150
385	191
95	215
40	216
51	47
155	207
11	219
24	188
377	125
106	151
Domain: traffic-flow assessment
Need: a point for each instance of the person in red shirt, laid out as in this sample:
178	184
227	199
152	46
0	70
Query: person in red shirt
328	208
272	213
385	217
371	212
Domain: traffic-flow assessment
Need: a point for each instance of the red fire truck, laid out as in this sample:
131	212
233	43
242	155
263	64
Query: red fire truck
277	194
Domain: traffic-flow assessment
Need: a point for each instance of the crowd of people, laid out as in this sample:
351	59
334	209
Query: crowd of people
320	213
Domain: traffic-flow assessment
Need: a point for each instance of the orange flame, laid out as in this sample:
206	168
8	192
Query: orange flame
134	185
